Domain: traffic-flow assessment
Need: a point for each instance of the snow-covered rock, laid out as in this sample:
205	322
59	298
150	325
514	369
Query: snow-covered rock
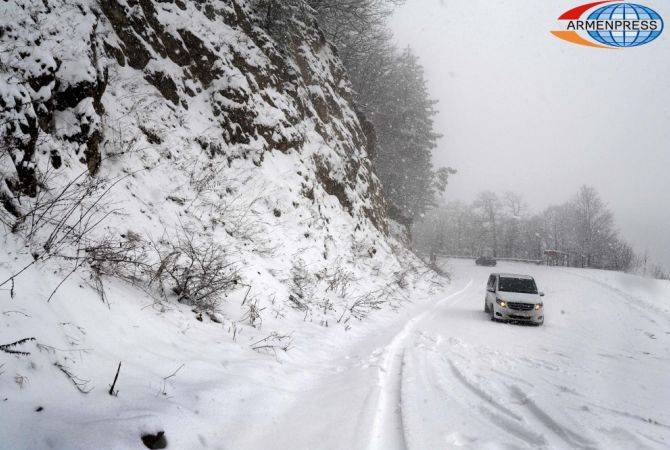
214	125
160	123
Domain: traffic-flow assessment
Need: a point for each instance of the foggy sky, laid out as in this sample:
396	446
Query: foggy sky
524	111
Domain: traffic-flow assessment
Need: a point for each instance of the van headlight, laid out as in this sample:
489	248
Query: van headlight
538	306
501	302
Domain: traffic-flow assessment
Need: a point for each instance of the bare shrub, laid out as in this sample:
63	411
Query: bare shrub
217	200
60	218
337	280
253	313
301	285
21	380
127	258
364	304
361	248
59	223
400	278
198	271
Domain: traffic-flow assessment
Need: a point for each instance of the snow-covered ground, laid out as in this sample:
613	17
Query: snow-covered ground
445	376
434	374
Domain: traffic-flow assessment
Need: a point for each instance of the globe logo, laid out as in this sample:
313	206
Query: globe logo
622	12
605	24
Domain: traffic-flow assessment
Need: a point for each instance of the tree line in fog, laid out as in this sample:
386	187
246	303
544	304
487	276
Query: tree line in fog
580	232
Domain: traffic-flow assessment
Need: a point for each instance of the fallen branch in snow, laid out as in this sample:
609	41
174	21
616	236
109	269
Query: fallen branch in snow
52	350
273	342
23	269
116	377
7	348
77	265
7	313
163	391
79	383
244	300
173	373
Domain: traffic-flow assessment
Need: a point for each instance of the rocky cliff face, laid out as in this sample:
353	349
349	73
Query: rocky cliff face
209	62
202	118
183	185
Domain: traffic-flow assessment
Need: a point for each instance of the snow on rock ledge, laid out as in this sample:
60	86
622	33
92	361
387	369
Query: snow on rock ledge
199	124
196	127
252	95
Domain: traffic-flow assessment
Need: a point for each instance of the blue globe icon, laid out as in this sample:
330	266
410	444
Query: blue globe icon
625	11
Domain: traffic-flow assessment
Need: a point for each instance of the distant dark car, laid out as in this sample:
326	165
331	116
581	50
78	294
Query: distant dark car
485	261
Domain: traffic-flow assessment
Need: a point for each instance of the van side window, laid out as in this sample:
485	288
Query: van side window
492	282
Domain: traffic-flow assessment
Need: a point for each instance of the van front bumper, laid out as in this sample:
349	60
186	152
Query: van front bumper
509	314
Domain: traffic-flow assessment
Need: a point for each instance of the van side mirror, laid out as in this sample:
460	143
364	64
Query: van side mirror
491	289
541	294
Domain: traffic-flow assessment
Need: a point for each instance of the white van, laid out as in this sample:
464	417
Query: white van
513	297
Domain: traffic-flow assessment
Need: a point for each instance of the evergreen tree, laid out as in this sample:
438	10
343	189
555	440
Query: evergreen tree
406	138
391	91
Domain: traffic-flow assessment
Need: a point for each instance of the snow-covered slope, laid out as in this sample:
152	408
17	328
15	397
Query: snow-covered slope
595	375
199	382
148	143
190	124
438	375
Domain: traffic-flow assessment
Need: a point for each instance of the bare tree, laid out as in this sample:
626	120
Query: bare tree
581	231
489	206
514	207
593	224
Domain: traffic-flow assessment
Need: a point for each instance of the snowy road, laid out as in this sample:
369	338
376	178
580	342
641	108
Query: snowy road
596	375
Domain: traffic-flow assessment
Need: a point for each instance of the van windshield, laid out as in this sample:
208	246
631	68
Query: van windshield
522	285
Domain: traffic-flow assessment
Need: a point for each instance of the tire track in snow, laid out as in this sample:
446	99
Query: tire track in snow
572	438
628	415
479	391
387	428
497	413
515	428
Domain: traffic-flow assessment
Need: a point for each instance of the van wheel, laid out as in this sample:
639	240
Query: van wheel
486	307
493	313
